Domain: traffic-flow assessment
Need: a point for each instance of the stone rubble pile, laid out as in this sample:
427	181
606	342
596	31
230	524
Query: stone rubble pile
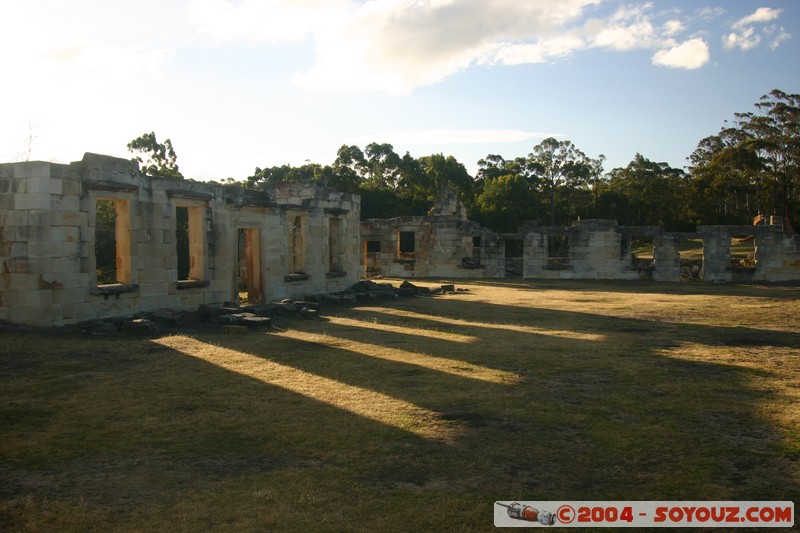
257	316
691	269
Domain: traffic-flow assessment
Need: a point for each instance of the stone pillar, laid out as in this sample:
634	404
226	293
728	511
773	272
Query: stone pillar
716	256
777	256
535	254
667	258
596	251
494	258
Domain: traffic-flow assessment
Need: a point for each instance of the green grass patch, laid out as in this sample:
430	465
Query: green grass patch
418	415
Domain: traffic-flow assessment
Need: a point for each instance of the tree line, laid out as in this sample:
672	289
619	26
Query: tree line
751	167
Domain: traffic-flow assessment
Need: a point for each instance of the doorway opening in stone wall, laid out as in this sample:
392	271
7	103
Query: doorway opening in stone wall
743	257
743	252
691	252
248	282
514	262
182	242
558	252
372	258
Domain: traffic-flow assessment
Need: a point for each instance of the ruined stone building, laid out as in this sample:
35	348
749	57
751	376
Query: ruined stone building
97	239
173	243
446	244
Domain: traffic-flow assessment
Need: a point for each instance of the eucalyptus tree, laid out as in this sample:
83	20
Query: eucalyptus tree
506	193
446	171
753	165
158	159
561	169
383	166
655	194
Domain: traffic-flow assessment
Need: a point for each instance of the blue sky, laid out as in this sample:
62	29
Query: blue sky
237	84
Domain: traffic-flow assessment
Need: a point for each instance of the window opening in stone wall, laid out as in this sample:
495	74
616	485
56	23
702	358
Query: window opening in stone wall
641	251
372	258
514	249
691	252
743	252
249	266
408	243
112	242
557	252
472	252
297	251
182	241
189	243
335	245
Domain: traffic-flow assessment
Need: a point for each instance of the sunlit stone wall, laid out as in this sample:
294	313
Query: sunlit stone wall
48	223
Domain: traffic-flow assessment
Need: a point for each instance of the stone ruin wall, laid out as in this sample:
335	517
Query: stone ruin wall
450	246
295	239
291	240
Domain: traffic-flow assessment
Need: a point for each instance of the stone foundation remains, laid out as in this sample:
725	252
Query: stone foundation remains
447	245
174	243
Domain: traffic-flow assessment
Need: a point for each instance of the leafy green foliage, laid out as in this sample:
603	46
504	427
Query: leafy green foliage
750	167
507	201
648	194
157	159
561	169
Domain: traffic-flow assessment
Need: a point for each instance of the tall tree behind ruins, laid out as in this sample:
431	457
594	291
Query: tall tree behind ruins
159	158
752	166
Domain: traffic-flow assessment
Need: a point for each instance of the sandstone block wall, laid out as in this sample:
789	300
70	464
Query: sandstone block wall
444	246
48	222
589	249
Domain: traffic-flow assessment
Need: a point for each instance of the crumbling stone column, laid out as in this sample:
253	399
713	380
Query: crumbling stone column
716	255
667	258
535	254
494	255
777	256
596	251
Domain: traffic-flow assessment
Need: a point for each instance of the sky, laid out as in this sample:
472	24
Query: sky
240	84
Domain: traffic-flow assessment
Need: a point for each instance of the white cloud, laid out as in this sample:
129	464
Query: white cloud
625	37
398	45
672	27
745	39
762	14
780	38
628	29
690	54
709	13
395	46
748	32
540	52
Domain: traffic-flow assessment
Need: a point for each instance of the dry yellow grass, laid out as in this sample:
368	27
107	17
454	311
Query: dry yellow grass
416	415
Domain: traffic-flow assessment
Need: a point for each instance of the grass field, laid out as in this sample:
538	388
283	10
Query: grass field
412	415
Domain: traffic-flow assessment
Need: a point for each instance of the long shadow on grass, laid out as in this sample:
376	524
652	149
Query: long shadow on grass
135	428
607	415
780	291
614	417
655	333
